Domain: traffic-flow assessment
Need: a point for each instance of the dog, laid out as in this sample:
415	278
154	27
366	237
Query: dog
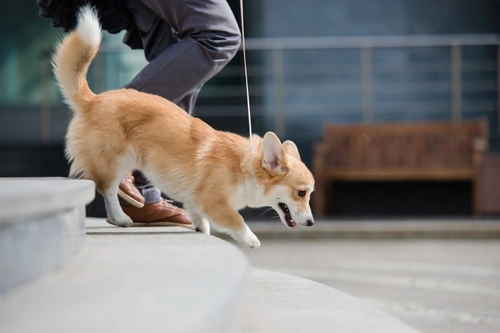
213	173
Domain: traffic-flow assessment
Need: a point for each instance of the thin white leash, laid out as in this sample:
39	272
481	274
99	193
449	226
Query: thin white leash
246	71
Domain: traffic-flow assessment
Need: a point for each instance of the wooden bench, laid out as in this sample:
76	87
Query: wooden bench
435	151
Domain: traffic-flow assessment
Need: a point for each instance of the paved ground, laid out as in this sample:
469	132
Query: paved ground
435	285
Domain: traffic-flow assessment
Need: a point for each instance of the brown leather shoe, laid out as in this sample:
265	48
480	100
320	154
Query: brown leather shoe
128	192
162	211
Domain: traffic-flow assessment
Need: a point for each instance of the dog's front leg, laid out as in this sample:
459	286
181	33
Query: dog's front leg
231	222
116	215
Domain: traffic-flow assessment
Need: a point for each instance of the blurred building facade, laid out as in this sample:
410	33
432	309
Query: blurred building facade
366	61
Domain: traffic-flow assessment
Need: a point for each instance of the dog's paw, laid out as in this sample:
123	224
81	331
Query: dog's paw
252	242
247	238
123	222
203	227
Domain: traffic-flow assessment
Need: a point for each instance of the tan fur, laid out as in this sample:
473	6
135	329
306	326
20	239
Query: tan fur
213	173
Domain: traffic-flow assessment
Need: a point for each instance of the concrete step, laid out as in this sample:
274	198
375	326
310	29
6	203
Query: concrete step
147	279
139	279
277	302
42	225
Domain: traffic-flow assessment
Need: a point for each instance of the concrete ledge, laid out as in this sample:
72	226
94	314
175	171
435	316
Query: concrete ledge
41	225
22	198
387	229
277	302
139	279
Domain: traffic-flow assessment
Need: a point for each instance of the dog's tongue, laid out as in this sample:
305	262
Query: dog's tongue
294	225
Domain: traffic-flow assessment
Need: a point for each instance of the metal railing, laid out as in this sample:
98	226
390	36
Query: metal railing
362	75
367	86
307	81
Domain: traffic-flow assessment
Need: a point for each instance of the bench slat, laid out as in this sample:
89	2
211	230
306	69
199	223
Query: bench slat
399	175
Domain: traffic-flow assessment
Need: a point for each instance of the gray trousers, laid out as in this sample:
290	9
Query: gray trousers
186	42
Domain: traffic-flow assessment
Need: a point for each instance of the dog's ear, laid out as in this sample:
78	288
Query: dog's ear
274	157
291	149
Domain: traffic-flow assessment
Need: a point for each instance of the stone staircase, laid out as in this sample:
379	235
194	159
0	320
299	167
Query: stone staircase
62	273
42	225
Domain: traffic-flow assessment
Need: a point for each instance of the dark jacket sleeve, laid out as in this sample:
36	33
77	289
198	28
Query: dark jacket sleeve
61	13
113	15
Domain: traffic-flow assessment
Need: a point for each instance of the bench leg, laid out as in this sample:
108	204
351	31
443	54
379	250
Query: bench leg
321	197
476	197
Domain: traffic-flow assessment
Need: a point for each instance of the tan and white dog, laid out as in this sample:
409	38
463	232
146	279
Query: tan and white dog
213	173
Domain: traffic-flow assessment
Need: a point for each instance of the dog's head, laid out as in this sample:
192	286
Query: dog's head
288	182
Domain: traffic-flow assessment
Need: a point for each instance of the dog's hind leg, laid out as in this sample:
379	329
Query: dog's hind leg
107	181
200	224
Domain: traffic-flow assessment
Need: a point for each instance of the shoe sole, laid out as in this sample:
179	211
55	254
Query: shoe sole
129	199
158	224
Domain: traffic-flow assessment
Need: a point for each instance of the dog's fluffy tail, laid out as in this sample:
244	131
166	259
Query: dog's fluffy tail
73	56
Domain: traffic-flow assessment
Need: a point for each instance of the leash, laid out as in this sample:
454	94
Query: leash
246	71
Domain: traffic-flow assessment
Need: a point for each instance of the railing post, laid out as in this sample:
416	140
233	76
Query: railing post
456	83
45	109
366	84
279	91
498	86
98	71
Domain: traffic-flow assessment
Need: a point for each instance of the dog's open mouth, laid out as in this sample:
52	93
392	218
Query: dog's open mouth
288	217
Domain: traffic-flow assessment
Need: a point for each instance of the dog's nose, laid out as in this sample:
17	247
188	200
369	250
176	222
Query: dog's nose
310	223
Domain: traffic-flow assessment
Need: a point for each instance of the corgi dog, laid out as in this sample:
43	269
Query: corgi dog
213	173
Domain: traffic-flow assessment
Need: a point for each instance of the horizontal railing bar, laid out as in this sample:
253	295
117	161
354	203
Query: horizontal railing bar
353	88
421	106
324	69
345	42
410	107
324	109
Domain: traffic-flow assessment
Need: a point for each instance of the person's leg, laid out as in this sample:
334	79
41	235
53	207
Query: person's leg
150	193
186	43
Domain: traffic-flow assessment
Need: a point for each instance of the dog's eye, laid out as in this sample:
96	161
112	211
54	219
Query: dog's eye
302	193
